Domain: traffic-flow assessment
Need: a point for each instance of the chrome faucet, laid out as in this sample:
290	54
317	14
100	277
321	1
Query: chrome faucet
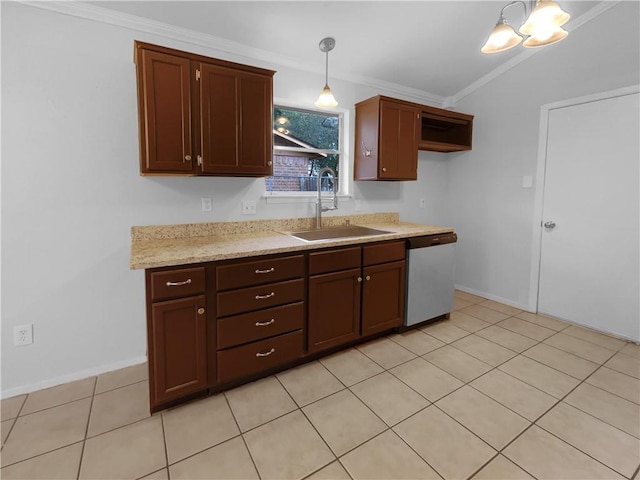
319	207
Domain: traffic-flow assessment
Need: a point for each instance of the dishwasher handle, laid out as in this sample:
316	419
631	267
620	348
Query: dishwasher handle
431	240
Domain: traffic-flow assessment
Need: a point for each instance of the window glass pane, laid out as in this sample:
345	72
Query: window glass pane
313	129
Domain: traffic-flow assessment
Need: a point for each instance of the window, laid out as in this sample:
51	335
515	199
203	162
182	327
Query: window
304	141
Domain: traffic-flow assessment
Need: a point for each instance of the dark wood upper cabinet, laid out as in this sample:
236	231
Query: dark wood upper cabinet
202	116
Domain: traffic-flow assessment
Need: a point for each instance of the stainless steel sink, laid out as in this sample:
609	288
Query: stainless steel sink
334	233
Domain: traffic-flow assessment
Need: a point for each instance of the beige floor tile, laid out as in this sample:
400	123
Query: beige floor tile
333	471
546	456
10	407
159	475
351	366
459	304
459	364
467	322
116	408
494	423
425	378
615	382
592	336
484	313
5	428
309	382
389	398
560	360
59	464
543	321
229	460
631	349
386	353
416	341
608	407
594	437
259	402
452	450
122	377
625	364
581	348
58	395
545	378
444	331
514	394
501	468
484	350
288	447
194	427
128	452
386	456
46	430
507	338
468	297
343	421
500	307
528	329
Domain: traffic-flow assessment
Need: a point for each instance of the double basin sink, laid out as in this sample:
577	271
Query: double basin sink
335	233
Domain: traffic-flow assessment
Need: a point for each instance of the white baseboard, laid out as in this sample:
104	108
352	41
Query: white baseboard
495	298
72	377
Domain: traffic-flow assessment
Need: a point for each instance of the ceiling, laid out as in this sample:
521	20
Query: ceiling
427	46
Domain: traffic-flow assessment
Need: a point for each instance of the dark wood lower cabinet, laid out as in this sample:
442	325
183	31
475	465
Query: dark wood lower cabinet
177	348
334	309
383	297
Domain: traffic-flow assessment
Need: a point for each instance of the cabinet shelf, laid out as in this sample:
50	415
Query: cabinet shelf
445	130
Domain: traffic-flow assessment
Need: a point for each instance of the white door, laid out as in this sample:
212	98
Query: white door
589	260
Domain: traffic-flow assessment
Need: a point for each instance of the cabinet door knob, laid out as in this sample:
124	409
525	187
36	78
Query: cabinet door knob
266	354
187	158
368	277
384	169
200	311
269	163
359	279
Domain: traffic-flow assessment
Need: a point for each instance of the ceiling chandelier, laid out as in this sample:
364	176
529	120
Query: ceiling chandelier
326	98
542	27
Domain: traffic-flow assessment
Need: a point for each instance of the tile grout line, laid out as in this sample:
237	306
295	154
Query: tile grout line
240	434
86	429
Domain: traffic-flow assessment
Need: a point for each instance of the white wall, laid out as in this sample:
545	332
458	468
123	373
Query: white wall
492	213
71	191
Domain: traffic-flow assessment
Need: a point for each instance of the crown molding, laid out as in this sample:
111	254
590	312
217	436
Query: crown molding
259	57
525	54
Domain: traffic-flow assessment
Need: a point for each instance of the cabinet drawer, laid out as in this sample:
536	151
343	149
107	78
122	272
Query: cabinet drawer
258	272
256	357
333	260
383	253
253	326
176	283
256	298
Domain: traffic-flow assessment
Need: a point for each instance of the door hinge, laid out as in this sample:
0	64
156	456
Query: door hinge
197	74
199	160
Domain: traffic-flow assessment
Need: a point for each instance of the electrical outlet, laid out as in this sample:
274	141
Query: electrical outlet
249	207
207	204
23	335
423	203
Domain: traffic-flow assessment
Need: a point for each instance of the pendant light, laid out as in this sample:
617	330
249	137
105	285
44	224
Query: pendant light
326	98
542	27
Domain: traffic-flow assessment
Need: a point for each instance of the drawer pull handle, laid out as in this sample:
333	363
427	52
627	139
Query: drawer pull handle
262	297
263	324
179	284
269	270
265	354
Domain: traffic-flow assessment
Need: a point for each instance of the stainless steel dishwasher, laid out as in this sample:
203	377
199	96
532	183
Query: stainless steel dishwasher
430	282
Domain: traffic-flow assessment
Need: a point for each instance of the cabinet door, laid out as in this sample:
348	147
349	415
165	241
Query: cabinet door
383	297
235	118
399	129
177	348
164	104
334	309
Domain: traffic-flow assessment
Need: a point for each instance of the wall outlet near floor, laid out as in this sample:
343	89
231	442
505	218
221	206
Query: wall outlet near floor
249	207
23	335
423	203
207	204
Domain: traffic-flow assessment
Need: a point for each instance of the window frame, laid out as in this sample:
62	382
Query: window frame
342	152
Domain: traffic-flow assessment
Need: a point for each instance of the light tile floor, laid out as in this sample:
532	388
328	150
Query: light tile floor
492	393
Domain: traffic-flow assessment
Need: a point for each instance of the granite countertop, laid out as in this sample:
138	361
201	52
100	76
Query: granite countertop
169	245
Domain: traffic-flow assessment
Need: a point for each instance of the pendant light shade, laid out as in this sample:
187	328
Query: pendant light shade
545	38
502	38
545	16
326	98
